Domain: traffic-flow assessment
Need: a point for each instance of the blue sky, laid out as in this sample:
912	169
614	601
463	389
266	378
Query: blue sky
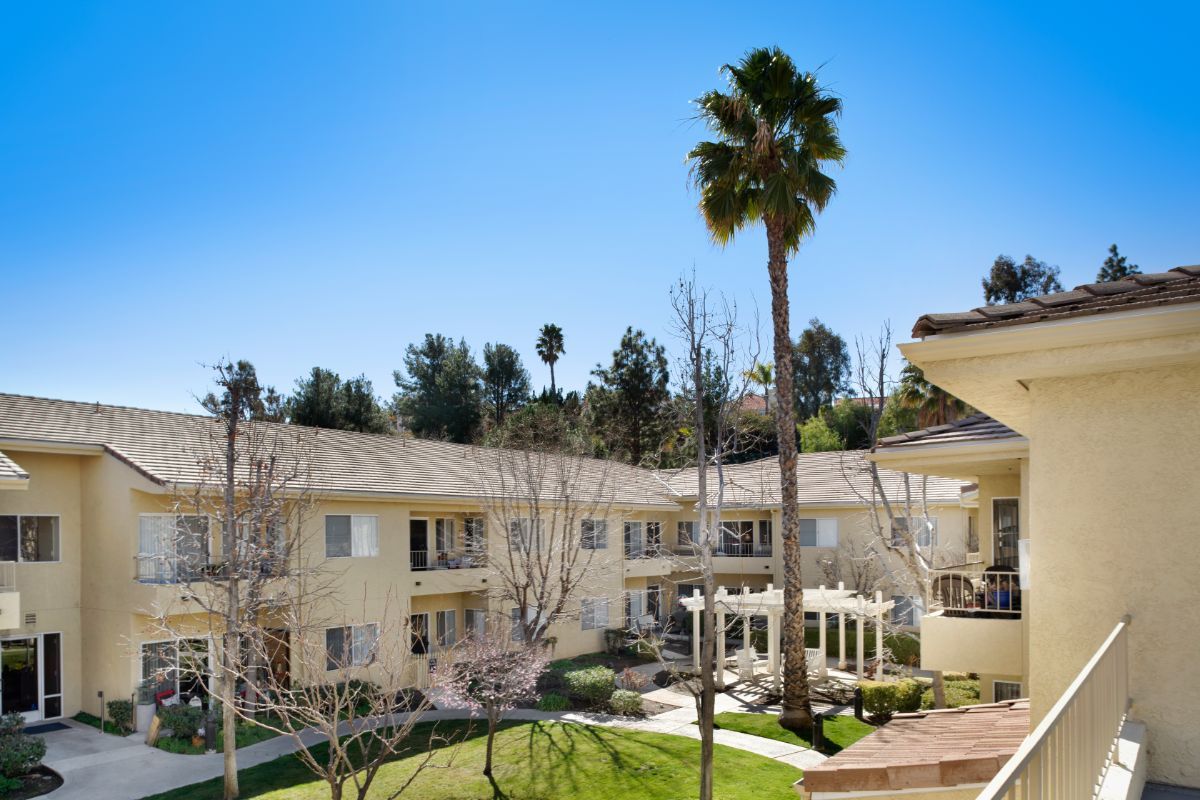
310	184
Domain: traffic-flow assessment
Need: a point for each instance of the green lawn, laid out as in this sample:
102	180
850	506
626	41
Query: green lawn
94	721
840	731
538	761
247	734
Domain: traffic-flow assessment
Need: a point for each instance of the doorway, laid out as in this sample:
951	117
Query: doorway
31	676
418	543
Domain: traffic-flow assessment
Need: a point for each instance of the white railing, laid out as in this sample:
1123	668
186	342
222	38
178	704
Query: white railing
975	593
8	576
1068	753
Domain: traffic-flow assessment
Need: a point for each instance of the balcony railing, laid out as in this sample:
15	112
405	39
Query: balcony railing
165	569
991	594
727	550
639	550
422	560
1069	752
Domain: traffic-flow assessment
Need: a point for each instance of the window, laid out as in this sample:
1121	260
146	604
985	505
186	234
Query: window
972	533
1006	528
476	622
28	538
593	534
634	543
818	533
446	633
179	666
904	612
764	538
418	627
737	538
525	535
653	538
1005	690
171	547
925	531
350	645
443	535
687	534
593	613
690	590
475	537
532	616
351	536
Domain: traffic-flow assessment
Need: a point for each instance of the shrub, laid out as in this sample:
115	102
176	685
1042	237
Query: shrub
614	640
625	702
958	694
593	685
9	785
121	714
19	752
882	700
553	702
633	680
184	721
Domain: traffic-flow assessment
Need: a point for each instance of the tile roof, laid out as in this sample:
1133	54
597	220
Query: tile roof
1180	285
927	749
839	477
975	428
10	471
169	447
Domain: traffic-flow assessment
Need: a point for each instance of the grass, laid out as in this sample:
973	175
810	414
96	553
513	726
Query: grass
94	721
535	761
841	731
905	649
247	734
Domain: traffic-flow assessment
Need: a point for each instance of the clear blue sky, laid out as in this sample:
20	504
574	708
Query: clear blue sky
321	184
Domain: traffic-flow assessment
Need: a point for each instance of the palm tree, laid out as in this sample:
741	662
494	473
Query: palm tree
549	348
762	375
933	405
776	130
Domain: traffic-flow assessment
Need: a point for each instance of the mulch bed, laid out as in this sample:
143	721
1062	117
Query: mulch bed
42	780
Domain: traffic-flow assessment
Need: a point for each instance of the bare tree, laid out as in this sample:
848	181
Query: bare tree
713	384
856	564
349	686
252	483
547	540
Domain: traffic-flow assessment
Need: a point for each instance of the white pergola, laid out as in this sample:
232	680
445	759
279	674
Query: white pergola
769	603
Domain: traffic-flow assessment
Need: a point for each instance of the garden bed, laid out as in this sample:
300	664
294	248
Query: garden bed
39	781
94	721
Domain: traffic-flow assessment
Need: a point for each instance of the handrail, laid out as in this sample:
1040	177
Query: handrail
1068	753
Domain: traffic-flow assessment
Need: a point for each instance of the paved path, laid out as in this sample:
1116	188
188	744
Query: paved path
97	766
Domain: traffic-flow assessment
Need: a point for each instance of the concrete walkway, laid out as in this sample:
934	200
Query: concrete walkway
97	766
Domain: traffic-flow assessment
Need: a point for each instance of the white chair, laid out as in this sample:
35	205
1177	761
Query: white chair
745	663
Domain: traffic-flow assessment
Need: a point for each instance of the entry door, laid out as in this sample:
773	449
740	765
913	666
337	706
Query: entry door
418	543
20	678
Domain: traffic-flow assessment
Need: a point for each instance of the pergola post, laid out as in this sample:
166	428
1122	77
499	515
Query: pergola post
841	633
720	633
859	643
879	674
821	633
773	631
696	646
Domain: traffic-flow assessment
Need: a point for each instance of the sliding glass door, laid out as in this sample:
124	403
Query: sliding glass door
31	676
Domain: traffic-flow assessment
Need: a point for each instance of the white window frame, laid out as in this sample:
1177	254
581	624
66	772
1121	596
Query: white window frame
525	535
827	538
360	640
208	677
597	538
475	536
685	533
353	539
590	616
471	629
631	548
57	536
442	537
446	635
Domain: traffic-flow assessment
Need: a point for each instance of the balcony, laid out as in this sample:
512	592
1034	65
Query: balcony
435	573
164	570
10	598
973	622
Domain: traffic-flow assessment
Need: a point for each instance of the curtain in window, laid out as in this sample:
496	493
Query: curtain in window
335	648
364	536
444	535
446	632
633	539
362	650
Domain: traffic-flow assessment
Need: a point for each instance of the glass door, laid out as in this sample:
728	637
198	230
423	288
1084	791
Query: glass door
20	680
1006	526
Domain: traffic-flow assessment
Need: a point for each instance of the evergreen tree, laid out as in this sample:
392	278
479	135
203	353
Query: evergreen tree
440	395
629	404
314	403
821	362
817	437
505	381
359	409
1116	267
1010	282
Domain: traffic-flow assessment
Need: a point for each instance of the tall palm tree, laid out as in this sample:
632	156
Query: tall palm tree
549	348
762	375
775	131
934	406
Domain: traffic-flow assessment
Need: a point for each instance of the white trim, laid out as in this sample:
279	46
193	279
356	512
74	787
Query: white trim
40	713
57	533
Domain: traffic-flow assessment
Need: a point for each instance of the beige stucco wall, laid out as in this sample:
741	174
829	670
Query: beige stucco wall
1115	506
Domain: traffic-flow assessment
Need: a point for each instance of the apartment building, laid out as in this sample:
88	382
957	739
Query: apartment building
86	514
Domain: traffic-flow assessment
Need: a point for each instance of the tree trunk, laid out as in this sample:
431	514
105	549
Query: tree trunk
797	706
553	389
491	717
706	702
232	611
939	690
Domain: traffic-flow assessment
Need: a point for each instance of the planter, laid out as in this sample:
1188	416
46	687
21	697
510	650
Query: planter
145	715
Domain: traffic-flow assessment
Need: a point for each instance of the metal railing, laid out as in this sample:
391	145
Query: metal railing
167	569
1072	747
639	550
975	593
423	560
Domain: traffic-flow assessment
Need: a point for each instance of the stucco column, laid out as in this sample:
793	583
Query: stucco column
859	644
821	620
841	640
720	632
696	648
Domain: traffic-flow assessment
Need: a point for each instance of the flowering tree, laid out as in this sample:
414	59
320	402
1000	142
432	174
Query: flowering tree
484	676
